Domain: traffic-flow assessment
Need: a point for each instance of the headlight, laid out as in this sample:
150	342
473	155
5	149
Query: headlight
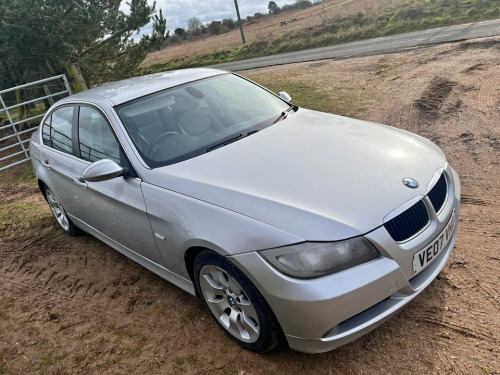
314	259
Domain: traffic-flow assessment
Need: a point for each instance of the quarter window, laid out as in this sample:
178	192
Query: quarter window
46	131
96	138
60	131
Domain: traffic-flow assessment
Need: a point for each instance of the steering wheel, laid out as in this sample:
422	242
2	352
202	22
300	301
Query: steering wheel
159	139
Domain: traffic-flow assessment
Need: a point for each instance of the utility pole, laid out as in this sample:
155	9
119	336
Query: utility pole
239	21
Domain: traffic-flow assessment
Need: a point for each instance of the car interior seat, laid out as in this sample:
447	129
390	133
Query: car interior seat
193	119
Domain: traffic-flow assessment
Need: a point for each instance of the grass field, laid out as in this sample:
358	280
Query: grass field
332	22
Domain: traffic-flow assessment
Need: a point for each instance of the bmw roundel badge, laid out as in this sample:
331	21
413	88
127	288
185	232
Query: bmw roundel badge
410	182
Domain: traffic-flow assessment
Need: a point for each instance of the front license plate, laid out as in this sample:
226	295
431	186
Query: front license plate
425	256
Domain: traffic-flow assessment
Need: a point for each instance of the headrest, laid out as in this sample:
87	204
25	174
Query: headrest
185	102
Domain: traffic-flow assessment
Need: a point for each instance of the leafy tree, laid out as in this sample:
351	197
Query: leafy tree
302	4
273	7
229	23
214	27
160	33
180	31
46	37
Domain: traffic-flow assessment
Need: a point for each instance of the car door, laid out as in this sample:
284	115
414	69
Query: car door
116	207
57	155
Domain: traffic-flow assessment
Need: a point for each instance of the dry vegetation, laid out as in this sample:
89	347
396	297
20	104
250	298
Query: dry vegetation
328	23
268	28
76	306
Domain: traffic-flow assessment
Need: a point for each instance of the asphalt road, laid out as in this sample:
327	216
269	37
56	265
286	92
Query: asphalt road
388	44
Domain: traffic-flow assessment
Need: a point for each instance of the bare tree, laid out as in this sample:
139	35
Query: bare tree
194	25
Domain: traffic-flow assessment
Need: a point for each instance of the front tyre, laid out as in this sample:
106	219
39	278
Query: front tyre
235	303
59	213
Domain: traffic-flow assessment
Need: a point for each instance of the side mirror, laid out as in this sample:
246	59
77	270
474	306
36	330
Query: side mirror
284	95
102	170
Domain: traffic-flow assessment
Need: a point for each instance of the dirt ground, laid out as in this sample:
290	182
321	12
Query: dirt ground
267	28
77	306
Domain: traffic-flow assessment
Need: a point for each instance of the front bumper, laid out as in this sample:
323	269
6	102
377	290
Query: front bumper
322	314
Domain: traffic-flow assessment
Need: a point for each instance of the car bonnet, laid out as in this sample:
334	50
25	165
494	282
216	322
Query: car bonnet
321	177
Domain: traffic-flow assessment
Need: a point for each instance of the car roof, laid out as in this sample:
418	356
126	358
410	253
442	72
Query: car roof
128	89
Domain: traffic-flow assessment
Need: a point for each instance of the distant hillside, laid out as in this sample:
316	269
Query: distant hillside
331	22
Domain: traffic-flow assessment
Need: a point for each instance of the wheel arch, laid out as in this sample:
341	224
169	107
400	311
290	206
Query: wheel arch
189	259
190	256
42	186
273	335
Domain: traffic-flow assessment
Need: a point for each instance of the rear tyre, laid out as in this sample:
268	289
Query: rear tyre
58	211
235	303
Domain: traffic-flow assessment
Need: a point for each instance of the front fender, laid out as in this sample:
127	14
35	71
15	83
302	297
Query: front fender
180	222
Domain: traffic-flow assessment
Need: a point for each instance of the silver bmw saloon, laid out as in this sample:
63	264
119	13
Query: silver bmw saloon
289	224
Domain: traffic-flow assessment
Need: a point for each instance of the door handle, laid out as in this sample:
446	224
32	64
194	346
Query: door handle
80	182
46	164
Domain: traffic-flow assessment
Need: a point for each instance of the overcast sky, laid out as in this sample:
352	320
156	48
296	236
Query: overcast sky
177	12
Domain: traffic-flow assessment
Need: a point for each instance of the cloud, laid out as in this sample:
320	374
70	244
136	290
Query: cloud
177	12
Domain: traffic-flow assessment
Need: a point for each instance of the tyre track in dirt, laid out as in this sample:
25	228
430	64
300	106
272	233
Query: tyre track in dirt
469	330
56	276
16	193
489	94
20	275
56	271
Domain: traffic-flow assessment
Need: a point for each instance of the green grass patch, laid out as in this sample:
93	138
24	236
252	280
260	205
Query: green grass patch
487	370
49	355
303	94
18	216
25	174
343	101
411	16
3	364
19	175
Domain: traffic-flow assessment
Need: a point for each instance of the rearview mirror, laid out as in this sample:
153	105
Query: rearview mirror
284	95
102	170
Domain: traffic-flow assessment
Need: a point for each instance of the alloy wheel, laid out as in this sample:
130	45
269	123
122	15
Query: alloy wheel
57	210
229	303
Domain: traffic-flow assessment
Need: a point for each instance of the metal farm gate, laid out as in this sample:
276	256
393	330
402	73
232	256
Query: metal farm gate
16	127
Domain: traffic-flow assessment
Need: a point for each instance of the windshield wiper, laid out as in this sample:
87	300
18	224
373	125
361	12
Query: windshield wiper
285	113
231	140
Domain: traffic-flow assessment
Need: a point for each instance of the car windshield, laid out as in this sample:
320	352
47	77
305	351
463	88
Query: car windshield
189	120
